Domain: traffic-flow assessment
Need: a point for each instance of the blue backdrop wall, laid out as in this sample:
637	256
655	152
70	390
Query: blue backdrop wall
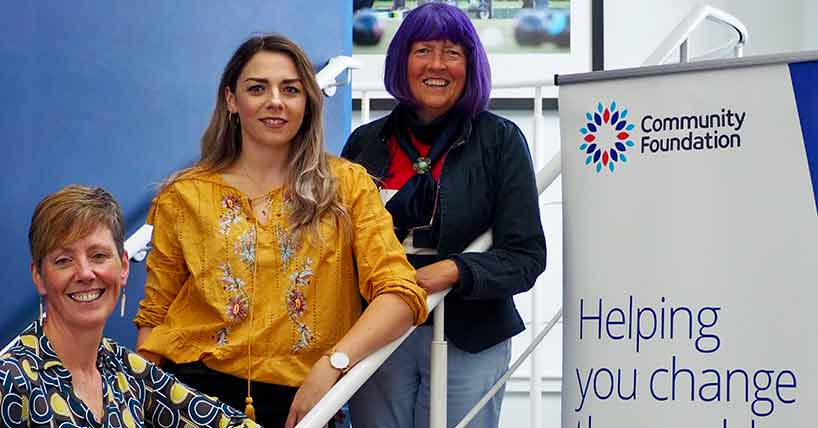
117	94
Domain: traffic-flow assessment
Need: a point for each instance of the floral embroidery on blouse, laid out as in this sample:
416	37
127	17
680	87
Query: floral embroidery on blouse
287	245
221	336
231	214
237	308
231	283
297	304
246	248
238	305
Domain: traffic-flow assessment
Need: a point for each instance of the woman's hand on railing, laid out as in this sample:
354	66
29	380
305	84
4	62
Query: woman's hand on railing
438	276
320	379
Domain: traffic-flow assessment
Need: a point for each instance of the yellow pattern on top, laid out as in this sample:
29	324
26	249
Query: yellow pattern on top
307	292
36	390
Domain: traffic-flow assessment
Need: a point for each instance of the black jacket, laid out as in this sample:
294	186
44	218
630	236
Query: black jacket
487	183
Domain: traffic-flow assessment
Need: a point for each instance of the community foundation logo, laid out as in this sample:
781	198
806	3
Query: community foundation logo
606	137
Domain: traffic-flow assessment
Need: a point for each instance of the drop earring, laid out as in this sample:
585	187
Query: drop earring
122	305
41	313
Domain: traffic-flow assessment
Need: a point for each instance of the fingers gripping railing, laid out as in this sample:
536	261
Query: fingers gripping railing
358	375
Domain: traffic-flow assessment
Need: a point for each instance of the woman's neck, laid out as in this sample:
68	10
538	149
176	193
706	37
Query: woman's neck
263	165
77	350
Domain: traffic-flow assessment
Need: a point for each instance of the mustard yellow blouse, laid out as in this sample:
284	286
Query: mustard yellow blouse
228	291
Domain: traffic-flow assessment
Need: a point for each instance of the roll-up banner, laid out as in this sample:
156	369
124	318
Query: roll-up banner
691	245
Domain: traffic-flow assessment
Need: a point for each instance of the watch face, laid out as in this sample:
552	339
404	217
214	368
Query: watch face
339	360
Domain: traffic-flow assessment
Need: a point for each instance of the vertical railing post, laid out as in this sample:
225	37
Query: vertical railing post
364	107
535	393
684	51
538	154
439	371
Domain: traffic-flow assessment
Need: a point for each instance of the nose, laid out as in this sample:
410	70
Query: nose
438	62
275	102
85	271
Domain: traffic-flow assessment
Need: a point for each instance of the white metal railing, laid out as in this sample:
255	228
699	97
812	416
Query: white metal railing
679	38
327	77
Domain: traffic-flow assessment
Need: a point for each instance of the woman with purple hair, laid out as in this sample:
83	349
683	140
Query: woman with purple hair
448	170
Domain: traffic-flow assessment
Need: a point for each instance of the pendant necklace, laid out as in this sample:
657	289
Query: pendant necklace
269	196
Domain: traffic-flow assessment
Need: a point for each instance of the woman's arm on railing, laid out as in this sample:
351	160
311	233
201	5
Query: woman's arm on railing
386	318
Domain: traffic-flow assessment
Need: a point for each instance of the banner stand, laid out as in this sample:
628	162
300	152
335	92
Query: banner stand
690	223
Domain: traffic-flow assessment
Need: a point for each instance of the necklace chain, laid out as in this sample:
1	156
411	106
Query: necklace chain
265	210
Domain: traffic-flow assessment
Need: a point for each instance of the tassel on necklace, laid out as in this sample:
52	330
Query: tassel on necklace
249	410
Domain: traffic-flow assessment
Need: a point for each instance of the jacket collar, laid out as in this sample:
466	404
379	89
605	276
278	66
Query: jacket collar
388	127
34	344
375	157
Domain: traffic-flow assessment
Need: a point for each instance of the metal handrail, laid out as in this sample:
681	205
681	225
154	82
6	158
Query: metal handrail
327	77
680	36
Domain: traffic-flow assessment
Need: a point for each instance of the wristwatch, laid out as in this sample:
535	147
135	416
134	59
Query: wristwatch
338	360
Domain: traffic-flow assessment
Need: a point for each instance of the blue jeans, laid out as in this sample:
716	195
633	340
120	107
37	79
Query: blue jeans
397	395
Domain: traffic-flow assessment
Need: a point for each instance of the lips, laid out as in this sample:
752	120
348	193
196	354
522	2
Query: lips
273	122
86	296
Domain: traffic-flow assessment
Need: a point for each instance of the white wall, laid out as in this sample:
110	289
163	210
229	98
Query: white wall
634	28
809	21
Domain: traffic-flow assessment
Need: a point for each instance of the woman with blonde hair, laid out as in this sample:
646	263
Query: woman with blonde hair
262	250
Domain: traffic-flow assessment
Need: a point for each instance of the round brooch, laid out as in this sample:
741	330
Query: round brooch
422	165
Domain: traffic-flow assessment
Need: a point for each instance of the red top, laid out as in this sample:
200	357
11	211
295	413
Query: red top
400	168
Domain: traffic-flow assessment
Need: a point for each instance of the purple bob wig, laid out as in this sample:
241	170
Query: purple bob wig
437	21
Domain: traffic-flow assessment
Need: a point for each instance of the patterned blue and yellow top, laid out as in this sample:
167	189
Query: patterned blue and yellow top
36	390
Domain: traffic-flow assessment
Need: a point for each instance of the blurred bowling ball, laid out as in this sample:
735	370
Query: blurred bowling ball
367	29
558	24
530	28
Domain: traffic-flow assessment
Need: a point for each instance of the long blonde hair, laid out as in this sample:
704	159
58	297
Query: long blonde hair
311	189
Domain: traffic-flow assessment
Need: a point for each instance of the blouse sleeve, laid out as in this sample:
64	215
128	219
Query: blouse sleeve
166	268
379	257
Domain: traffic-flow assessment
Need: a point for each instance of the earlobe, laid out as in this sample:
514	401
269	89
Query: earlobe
230	99
37	279
126	267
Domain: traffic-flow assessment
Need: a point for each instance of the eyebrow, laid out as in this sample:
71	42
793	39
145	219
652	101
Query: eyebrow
267	81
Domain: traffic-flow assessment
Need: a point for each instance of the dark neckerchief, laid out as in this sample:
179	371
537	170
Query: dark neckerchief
414	204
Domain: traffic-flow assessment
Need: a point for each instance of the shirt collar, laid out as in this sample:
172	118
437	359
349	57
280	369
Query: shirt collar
43	357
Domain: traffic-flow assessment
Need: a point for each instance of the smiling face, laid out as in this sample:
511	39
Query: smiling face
81	281
269	99
437	76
